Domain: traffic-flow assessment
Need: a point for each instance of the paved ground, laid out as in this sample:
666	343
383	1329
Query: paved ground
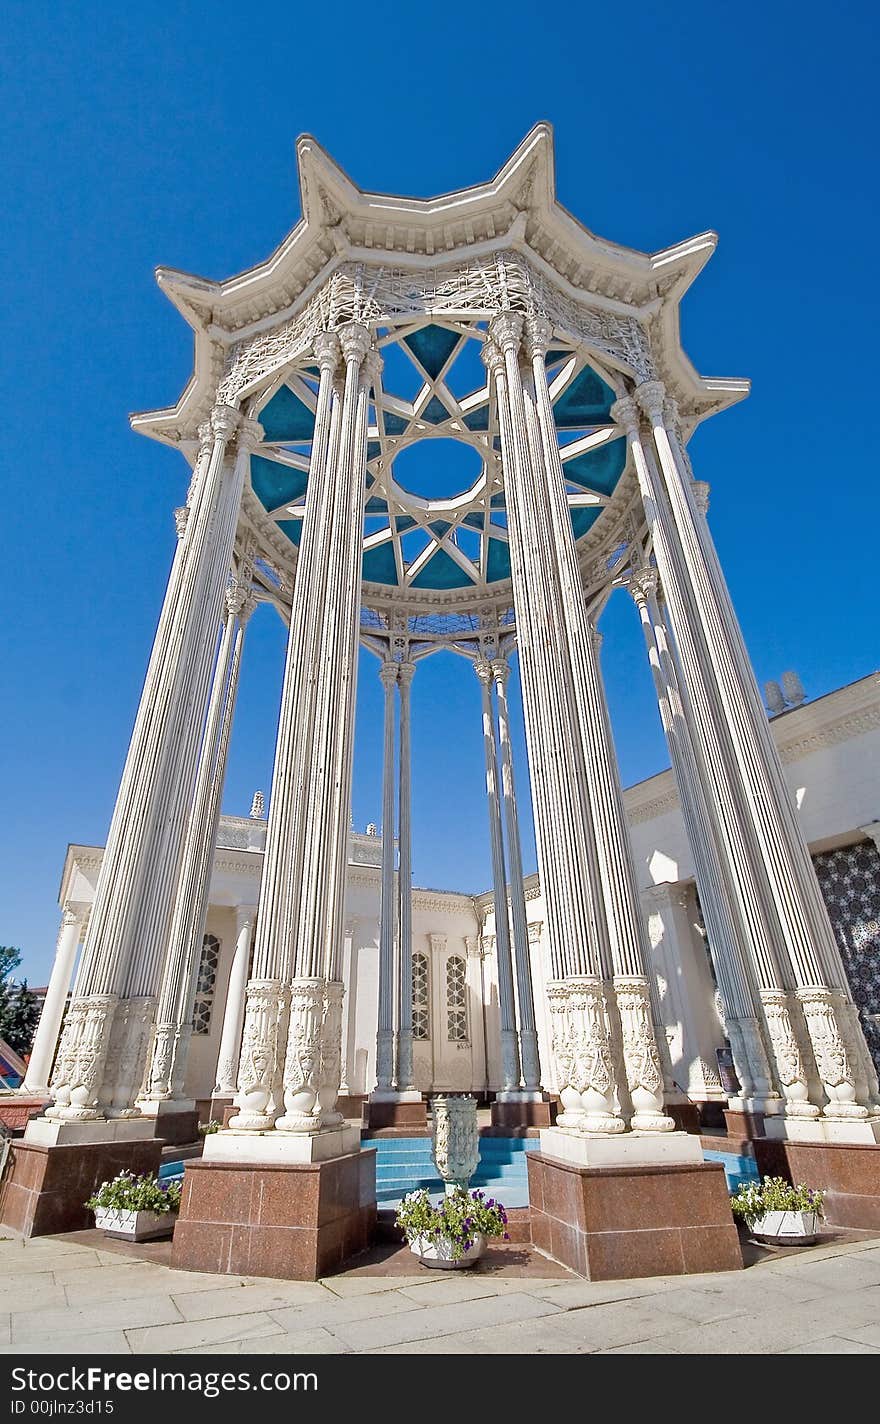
77	1294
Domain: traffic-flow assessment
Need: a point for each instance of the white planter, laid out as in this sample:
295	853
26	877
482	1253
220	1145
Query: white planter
785	1228
134	1225
436	1251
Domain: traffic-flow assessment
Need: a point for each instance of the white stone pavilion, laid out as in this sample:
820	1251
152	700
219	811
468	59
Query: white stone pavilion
542	366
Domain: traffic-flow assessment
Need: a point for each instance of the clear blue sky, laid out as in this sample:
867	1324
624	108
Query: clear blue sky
164	132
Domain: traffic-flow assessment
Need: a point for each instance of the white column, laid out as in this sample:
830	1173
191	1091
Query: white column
687	1000
585	1069
101	1058
510	1070
405	1082
39	1067
300	923
732	973
387	902
807	1007
233	1015
528	1037
349	1033
167	1072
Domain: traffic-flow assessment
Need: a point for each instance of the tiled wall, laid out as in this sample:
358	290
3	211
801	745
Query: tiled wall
850	881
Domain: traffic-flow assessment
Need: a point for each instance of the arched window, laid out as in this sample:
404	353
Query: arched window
456	999
421	1009
205	984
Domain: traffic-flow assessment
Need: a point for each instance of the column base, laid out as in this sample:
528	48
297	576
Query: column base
387	1109
848	1174
295	1148
293	1221
744	1125
685	1115
863	1131
175	1120
50	1132
625	1149
612	1223
351	1105
528	1108
45	1186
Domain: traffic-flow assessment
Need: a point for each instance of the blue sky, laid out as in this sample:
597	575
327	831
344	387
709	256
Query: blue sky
163	133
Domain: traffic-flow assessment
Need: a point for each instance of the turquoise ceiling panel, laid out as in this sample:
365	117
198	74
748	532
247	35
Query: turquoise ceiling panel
498	561
286	417
276	484
432	346
376	506
474	520
587	401
553	358
435	412
598	469
293	528
394	424
478	419
403	521
379	565
498	501
441	571
440	527
583	519
373	449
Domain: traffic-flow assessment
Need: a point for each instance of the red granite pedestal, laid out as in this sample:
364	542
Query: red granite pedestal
380	1113
610	1223
536	1112
848	1174
293	1222
176	1128
744	1125
686	1116
44	1188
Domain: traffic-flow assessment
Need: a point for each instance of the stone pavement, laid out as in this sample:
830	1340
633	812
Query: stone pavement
80	1293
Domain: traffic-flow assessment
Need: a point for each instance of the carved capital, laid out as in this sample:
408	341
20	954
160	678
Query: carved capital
327	350
245	915
483	669
642	585
372	368
355	341
206	438
506	329
250	434
388	675
492	357
225	420
700	490
538	336
181	516
625	412
651	396
501	670
405	674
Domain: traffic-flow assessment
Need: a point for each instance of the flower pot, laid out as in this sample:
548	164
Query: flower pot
785	1228
134	1225
436	1251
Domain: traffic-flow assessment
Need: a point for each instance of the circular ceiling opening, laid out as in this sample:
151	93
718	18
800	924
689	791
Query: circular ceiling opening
437	469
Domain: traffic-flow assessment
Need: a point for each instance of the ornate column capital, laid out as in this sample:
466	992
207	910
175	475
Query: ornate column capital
642	584
652	397
625	412
355	341
388	674
372	368
501	670
250	434
206	437
240	601
538	336
244	915
506	329
405	673
483	669
181	515
69	916
225	420
327	350
701	490
492	357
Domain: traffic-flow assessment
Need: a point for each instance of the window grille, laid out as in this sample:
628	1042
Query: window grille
456	1000
205	984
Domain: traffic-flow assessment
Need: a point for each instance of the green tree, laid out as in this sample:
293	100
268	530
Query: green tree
19	1005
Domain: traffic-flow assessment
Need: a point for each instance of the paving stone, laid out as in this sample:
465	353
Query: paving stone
30	1327
834	1345
245	1300
163	1339
575	1293
374	1285
40	1263
867	1333
105	1342
462	1286
340	1312
423	1324
304	1342
624	1322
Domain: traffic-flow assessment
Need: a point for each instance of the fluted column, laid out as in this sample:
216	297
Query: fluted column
733	975
779	903
167	1072
101	1058
585	1069
387	903
510	1069
300	922
404	884
233	1014
39	1069
528	1037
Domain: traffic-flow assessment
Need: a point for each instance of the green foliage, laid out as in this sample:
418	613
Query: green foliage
207	1128
774	1194
129	1193
460	1217
19	1005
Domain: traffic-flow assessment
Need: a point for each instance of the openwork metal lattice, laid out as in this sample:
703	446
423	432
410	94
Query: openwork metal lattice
421	1013
206	984
456	1000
